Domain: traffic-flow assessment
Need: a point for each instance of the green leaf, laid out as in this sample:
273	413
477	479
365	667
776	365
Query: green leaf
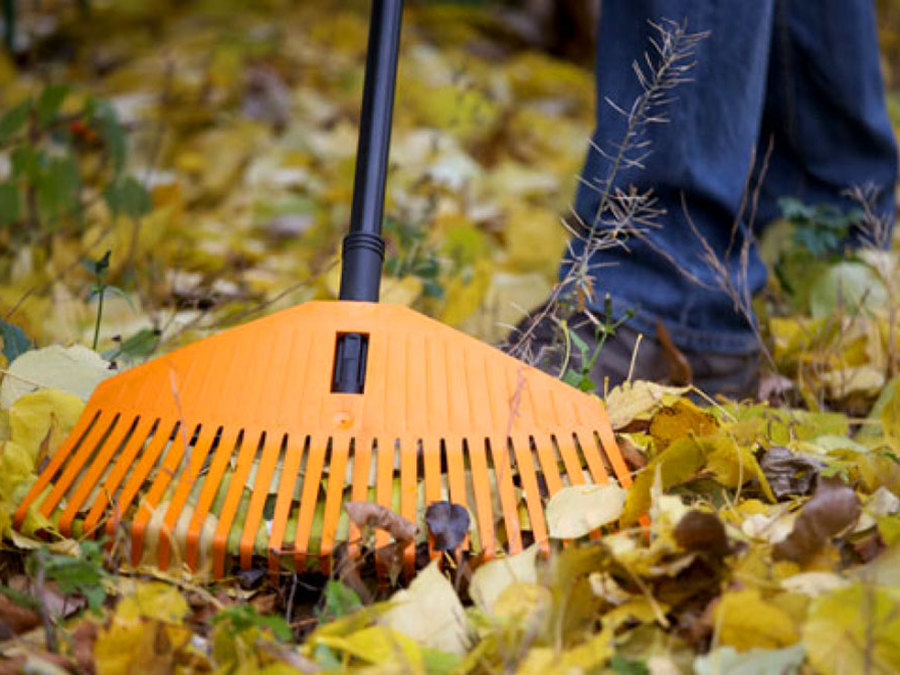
49	101
105	120
14	119
128	196
138	346
15	342
340	600
58	188
26	162
9	203
622	666
241	617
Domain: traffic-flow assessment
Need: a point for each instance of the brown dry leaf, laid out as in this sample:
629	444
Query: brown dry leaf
833	508
702	532
366	514
15	619
788	473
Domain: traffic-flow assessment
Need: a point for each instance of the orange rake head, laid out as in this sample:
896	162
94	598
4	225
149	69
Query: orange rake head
237	446
249	442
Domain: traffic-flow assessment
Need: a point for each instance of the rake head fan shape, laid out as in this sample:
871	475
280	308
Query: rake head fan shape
249	442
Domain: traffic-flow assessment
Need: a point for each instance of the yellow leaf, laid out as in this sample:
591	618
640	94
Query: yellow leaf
890	420
855	630
535	240
745	621
75	369
632	400
677	463
734	465
41	420
377	645
524	605
147	647
490	579
152	600
430	612
587	657
577	510
16	464
463	297
681	419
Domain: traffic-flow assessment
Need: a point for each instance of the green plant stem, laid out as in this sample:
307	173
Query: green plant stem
99	317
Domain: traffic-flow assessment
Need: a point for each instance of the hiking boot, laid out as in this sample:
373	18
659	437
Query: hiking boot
656	358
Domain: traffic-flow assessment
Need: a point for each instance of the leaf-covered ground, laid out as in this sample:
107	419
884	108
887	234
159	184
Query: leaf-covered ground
211	153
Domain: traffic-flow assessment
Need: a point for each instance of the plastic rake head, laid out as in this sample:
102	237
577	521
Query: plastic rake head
235	447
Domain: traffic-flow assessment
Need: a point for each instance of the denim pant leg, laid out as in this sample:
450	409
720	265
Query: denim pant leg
703	154
824	113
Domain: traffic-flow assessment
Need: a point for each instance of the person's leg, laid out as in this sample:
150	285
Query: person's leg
825	113
702	155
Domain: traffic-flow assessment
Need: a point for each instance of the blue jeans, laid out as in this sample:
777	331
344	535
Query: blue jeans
802	75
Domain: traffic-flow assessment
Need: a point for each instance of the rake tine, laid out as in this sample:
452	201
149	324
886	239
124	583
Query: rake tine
408	496
592	457
91	442
204	444
528	476
362	460
249	446
566	445
549	463
293	455
101	462
222	454
312	477
151	500
138	476
503	472
481	486
334	497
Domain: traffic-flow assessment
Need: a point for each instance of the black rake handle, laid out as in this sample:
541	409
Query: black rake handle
363	248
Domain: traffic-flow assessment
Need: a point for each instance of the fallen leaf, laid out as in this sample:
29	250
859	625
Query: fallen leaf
430	612
702	532
854	630
788	473
833	508
490	579
721	660
578	510
367	514
745	620
631	400
76	370
448	524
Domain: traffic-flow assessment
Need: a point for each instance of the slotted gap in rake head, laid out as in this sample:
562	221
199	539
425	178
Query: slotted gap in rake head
88	483
108	499
287	500
560	464
477	501
542	479
76	446
127	497
69	480
604	457
313	544
498	524
272	502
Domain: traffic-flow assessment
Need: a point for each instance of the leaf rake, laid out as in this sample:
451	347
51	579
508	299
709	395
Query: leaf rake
249	442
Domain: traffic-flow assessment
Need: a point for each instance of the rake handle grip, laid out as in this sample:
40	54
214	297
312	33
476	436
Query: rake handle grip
363	247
